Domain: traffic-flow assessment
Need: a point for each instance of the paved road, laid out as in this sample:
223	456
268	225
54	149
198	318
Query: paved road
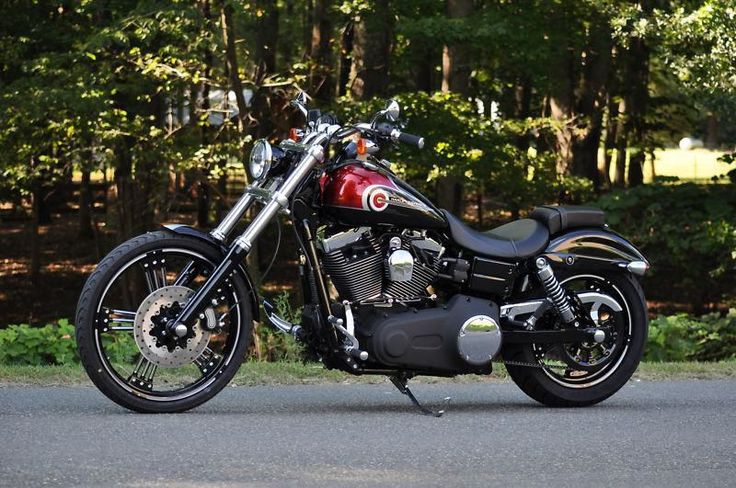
649	434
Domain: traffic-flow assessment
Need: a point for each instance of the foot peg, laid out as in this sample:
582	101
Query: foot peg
281	324
353	348
400	382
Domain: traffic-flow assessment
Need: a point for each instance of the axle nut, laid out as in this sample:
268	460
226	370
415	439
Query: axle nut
181	330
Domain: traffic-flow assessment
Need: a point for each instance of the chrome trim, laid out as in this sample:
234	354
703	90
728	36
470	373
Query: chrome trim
349	321
487	277
400	265
512	310
479	340
342	239
638	268
266	160
281	324
592	296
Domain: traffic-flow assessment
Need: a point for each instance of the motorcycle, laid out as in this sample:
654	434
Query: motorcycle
392	285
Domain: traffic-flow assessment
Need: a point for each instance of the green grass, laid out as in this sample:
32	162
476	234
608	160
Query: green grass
291	373
697	165
694	165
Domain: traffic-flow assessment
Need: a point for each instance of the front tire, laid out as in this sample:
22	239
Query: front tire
112	338
553	389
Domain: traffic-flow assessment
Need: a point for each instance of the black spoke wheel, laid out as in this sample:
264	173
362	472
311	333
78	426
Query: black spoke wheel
121	332
567	375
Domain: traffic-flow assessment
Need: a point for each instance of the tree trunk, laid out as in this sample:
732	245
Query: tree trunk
345	61
456	62
372	44
124	187
85	230
711	132
203	189
609	142
34	268
619	178
578	101
455	78
266	36
523	109
424	77
638	99
222	204
449	194
231	63
320	74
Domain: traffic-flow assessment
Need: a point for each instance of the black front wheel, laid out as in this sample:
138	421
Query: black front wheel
576	375
121	332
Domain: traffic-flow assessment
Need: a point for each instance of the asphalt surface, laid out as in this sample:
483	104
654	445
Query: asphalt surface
650	434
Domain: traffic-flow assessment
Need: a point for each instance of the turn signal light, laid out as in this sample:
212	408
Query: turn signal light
294	134
361	147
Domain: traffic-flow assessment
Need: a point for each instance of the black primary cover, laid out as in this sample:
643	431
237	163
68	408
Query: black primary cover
426	340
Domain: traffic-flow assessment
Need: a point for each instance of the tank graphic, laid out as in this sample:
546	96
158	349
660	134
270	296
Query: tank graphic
355	194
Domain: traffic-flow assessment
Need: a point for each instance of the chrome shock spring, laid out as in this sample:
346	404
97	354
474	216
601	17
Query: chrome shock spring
554	290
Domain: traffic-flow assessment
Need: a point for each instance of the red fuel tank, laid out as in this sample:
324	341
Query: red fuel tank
359	194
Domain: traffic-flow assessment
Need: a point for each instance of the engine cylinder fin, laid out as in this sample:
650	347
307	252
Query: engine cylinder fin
359	271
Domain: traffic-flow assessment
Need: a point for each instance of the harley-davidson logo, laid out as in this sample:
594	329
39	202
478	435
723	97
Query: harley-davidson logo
375	198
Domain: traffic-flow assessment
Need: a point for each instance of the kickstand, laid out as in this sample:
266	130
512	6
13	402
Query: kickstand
400	382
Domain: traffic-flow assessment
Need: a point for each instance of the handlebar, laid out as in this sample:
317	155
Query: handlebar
411	139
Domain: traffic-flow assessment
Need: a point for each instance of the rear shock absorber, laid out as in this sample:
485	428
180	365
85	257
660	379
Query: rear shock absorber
554	290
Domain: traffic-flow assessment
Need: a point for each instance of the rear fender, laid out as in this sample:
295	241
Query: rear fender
222	249
595	248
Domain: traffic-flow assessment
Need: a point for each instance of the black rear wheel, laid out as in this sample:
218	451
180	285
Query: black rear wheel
574	375
120	325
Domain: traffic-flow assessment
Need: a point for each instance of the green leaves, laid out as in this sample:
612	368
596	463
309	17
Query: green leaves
688	232
681	337
51	344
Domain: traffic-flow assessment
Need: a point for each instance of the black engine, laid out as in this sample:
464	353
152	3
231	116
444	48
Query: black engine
386	277
365	266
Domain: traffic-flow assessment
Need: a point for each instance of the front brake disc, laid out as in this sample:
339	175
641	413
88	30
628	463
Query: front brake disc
149	344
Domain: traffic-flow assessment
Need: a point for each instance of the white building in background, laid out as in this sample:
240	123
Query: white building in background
687	143
221	108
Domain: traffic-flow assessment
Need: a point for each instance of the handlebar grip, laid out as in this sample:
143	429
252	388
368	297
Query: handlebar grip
411	139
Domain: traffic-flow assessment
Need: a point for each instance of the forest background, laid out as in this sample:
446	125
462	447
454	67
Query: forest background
116	116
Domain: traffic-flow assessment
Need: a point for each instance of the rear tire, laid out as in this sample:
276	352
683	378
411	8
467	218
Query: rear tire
544	387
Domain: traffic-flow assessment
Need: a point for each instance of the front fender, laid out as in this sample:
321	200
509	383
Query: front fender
596	248
205	237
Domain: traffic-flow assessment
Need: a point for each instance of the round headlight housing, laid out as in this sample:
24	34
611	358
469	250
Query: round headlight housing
260	159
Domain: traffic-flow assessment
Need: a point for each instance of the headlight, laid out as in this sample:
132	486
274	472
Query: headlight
260	159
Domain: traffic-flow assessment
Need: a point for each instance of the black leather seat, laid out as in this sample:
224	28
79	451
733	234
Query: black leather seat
558	218
516	240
